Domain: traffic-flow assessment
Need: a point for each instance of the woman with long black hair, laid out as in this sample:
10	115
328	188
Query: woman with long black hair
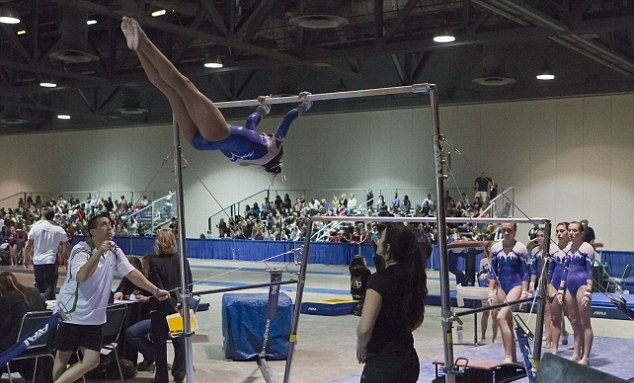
394	307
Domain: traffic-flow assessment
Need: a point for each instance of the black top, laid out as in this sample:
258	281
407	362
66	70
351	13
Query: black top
391	331
165	274
359	275
12	309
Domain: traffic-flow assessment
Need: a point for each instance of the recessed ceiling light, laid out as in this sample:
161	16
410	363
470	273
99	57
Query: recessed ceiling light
63	116
21	32
48	84
158	13
91	22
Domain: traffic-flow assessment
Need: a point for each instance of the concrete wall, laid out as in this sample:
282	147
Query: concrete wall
569	158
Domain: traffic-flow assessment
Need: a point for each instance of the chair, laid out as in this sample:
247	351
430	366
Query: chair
618	282
43	346
111	331
115	316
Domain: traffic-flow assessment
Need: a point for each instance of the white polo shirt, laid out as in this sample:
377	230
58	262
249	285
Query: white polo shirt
86	302
46	236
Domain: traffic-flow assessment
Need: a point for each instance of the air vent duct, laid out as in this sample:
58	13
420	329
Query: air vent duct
73	48
319	14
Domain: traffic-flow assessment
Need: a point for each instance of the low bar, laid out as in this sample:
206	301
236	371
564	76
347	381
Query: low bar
493	307
416	88
246	287
427	219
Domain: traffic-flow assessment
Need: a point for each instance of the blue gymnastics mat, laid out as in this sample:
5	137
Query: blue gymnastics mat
601	305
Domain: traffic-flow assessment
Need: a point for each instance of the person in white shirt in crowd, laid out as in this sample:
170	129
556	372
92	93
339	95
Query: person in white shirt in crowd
45	239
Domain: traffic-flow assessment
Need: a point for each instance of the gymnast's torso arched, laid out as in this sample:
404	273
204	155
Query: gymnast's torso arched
509	270
245	145
579	264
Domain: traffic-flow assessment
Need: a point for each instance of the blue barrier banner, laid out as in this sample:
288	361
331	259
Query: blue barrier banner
327	253
18	348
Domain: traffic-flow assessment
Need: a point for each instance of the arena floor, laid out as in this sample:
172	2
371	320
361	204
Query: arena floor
325	350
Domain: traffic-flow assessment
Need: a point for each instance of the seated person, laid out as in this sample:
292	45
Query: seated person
359	274
15	301
137	334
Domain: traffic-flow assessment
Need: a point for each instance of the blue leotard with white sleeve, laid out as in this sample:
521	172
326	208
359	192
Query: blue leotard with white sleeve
509	270
245	146
578	267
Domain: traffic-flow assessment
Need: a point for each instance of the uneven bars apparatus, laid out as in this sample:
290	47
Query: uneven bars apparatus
415	88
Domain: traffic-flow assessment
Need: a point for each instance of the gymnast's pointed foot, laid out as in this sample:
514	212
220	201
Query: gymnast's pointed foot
584	361
132	31
305	104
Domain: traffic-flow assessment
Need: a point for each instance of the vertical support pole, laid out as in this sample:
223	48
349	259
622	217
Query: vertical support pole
301	281
543	293
442	238
180	201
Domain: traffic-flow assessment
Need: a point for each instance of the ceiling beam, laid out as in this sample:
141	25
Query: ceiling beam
232	40
216	19
396	24
17	45
311	55
378	19
563	36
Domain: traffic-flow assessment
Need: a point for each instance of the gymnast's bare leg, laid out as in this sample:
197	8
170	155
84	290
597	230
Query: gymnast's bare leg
193	111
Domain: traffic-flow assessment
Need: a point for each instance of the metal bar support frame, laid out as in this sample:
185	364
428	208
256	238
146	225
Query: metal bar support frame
185	293
440	160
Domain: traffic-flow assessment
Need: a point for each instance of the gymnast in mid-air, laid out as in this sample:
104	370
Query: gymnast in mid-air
200	121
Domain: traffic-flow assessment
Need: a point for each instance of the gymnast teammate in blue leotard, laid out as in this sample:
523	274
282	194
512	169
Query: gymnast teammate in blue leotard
578	274
556	289
508	282
200	120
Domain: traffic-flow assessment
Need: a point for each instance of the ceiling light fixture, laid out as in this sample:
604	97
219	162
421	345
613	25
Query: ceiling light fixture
21	32
158	13
91	22
214	63
63	116
545	73
444	35
8	15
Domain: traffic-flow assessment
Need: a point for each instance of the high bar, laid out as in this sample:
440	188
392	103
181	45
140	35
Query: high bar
427	219
415	88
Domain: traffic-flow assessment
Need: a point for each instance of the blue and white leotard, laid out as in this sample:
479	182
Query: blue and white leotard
245	146
536	260
578	267
511	269
556	269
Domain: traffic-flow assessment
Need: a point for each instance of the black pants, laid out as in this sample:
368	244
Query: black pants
393	367
160	332
46	279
